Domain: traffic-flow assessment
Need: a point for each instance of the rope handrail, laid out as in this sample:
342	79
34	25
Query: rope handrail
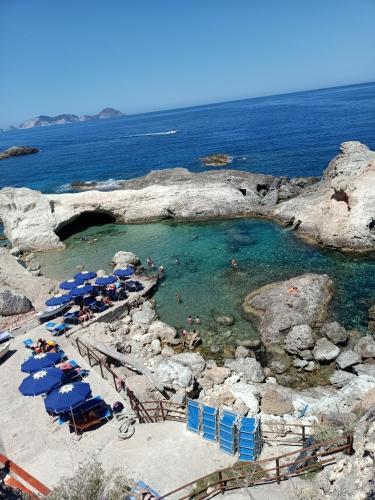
276	459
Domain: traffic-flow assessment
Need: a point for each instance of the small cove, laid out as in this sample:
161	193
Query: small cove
265	252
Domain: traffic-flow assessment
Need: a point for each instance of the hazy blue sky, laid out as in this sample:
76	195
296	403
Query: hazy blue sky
78	56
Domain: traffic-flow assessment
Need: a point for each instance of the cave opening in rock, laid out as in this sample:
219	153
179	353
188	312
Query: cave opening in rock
242	191
84	221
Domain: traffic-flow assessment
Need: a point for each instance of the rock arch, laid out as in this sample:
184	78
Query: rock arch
83	221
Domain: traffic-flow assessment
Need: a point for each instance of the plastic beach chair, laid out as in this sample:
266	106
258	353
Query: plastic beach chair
249	439
227	432
209	423
193	416
28	342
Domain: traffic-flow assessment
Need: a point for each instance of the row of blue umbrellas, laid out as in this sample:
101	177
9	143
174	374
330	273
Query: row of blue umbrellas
78	287
45	378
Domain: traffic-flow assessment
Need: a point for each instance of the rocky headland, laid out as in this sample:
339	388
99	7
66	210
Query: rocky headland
17	151
63	119
335	212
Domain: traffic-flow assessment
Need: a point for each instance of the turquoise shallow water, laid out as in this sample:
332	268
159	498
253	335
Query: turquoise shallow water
265	253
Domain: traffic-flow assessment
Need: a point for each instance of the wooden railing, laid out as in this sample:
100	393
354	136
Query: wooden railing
94	359
256	473
18	478
157	411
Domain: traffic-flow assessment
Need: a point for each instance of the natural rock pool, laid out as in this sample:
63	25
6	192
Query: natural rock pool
265	252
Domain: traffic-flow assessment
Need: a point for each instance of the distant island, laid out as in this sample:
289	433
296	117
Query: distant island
44	121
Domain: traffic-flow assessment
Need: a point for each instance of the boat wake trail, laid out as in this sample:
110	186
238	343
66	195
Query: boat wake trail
169	132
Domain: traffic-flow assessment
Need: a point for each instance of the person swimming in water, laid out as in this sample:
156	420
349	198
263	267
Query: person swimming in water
178	298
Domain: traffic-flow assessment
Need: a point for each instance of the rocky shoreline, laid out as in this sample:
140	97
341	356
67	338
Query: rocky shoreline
335	212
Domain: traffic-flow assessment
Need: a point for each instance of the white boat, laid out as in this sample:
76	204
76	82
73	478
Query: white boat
4	348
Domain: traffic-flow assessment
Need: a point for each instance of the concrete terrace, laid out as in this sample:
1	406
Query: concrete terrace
164	455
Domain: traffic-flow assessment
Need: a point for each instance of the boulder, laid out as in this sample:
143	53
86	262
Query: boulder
144	315
306	354
249	368
225	319
325	350
248	395
300	363
12	302
347	359
167	352
156	346
192	360
241	352
276	402
298	339
341	378
334	332
171	373
311	365
162	331
365	347
122	259
365	369
278	307
214	376
279	366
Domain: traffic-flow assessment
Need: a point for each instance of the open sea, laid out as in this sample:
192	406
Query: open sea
293	134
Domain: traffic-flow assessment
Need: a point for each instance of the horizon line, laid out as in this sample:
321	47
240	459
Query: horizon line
213	103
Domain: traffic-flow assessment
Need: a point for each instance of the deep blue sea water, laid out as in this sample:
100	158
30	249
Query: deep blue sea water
295	134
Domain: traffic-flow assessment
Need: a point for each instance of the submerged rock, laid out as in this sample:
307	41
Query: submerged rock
217	160
17	151
278	307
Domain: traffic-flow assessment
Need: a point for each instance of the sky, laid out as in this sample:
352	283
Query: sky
78	56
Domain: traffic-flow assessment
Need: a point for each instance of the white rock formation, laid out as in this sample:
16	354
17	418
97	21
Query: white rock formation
338	212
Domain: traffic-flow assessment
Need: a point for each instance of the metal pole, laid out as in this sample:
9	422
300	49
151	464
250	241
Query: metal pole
162	410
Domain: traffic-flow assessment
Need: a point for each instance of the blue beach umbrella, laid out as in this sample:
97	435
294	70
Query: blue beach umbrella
124	273
58	300
106	280
41	382
67	397
85	275
70	284
81	290
40	361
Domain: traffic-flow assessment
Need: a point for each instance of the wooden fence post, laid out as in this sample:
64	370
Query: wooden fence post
278	470
303	434
162	410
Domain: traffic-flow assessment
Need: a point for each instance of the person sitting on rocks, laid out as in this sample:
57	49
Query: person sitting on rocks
194	339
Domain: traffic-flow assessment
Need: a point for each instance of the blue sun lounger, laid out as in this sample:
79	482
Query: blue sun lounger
209	423
249	439
193	416
227	432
